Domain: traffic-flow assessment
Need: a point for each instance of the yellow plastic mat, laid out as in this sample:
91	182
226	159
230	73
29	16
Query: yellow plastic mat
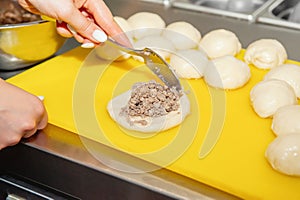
222	125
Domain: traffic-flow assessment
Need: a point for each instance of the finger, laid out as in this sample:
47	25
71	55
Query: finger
28	6
43	122
40	124
85	27
87	44
105	20
78	37
63	30
29	133
67	31
10	139
29	129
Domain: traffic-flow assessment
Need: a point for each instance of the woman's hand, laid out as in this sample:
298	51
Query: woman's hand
89	21
21	114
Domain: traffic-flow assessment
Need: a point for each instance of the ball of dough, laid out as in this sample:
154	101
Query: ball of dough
124	25
269	95
147	124
182	34
265	54
157	43
283	154
189	63
286	120
146	23
107	52
289	73
220	42
227	72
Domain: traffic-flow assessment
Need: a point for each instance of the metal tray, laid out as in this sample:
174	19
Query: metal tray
278	14
241	9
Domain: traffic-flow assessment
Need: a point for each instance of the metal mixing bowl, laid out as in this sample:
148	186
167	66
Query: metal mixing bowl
25	44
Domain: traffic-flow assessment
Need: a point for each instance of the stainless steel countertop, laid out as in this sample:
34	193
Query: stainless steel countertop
62	143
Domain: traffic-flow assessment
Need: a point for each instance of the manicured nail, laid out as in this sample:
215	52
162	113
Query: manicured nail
100	36
71	29
41	98
88	45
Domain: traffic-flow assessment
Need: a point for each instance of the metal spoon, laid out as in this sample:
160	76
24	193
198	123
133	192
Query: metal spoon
154	62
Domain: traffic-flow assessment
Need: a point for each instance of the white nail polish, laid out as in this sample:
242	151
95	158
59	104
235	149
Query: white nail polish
71	29
41	98
100	36
88	45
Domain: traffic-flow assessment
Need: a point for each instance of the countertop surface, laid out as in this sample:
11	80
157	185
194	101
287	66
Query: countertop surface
67	145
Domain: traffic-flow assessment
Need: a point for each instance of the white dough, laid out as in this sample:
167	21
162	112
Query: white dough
265	54
108	52
286	120
283	154
154	124
189	63
146	23
124	25
220	42
269	95
227	72
182	34
157	43
289	73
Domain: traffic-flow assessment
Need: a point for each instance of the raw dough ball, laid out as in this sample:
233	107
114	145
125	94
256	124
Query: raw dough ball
146	23
220	42
189	63
284	154
122	23
107	52
157	43
227	72
182	34
289	73
286	120
265	54
125	27
147	111
269	95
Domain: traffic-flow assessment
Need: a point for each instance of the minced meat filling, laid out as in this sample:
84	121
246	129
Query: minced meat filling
12	13
152	99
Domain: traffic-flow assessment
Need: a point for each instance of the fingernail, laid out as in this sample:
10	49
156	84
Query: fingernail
100	36
41	98
88	45
59	21
71	29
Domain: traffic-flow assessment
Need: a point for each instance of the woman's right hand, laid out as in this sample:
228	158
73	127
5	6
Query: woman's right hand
21	114
89	21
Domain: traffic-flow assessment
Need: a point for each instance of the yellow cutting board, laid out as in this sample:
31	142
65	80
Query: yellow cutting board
77	87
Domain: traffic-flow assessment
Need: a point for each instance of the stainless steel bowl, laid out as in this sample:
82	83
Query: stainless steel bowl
25	44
